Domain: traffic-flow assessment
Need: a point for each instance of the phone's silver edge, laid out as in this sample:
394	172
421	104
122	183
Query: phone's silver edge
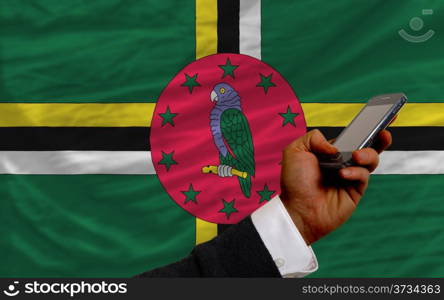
400	98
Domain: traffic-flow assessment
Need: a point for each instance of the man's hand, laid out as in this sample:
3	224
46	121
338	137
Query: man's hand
317	208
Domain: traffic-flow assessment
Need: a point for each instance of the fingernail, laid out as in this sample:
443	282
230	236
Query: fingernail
346	172
363	156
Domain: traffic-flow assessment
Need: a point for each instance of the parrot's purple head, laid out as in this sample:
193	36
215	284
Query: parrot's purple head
224	95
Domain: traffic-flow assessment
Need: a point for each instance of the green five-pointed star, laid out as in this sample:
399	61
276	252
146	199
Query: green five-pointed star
265	194
266	82
191	194
228	68
228	208
288	117
167	160
167	117
190	82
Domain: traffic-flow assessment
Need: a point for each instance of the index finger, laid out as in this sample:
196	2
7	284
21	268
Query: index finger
313	141
383	141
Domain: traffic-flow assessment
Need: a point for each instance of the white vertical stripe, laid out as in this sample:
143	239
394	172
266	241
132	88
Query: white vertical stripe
250	28
76	162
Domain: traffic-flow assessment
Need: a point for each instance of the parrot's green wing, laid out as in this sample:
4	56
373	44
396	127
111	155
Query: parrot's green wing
237	136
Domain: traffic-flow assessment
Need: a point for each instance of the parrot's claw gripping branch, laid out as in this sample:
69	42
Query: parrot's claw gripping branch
224	171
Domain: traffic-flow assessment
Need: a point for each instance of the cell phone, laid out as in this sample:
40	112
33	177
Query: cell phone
360	133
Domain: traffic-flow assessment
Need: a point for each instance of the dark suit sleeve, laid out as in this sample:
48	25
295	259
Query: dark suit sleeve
237	252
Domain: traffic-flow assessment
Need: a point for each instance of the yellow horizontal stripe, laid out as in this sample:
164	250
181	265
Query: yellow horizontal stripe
76	114
140	114
340	114
205	231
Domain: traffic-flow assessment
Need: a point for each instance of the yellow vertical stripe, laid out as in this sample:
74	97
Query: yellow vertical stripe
206	44
205	231
206	27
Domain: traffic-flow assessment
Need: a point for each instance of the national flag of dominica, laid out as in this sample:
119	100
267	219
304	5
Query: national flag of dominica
78	86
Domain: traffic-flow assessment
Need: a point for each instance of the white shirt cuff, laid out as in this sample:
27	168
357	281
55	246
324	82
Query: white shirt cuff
286	245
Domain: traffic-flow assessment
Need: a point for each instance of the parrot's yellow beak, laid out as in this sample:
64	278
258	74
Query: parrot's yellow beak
213	96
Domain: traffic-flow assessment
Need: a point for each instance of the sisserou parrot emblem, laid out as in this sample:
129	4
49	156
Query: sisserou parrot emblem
217	134
232	137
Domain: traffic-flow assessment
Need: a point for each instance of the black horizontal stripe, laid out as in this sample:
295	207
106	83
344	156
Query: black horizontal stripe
137	138
404	138
74	138
228	26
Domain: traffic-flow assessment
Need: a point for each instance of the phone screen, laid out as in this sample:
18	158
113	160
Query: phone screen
360	128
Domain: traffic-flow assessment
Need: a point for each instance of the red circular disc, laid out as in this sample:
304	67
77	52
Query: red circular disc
217	135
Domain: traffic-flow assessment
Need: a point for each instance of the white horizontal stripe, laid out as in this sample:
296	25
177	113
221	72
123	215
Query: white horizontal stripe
139	162
250	28
411	162
76	162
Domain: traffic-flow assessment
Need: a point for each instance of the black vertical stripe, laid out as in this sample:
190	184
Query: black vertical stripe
228	26
222	227
227	41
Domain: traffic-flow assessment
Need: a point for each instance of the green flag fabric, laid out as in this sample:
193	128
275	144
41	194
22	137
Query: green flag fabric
349	51
79	196
87	221
101	51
